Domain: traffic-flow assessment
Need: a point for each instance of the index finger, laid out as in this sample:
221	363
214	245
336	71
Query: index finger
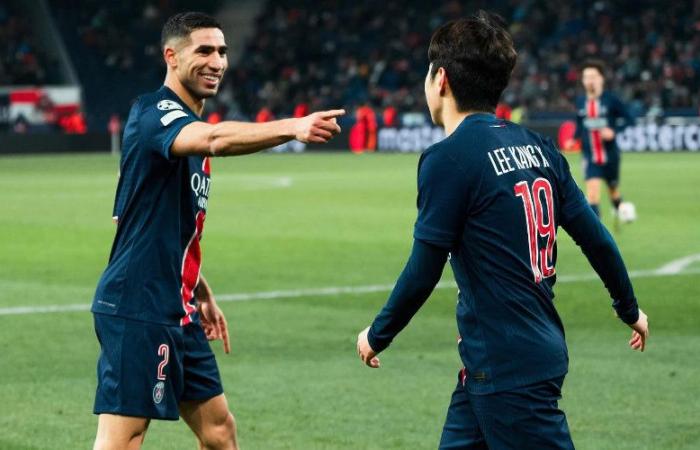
332	113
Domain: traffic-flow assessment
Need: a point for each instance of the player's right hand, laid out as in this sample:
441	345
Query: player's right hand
640	332
318	127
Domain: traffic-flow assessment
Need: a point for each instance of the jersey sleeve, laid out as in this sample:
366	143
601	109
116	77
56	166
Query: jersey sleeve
442	199
159	128
571	200
418	279
605	258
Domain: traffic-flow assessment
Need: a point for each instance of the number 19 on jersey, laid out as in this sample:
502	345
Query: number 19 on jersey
536	201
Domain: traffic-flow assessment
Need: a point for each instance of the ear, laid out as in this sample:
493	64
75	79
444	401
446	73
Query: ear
442	80
170	56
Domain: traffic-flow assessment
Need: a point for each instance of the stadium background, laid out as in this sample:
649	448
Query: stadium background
321	236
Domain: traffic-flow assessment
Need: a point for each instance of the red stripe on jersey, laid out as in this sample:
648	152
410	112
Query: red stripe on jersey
25	96
191	265
206	167
599	156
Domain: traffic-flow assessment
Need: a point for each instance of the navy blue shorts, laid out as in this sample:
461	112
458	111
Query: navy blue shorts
147	369
522	418
610	171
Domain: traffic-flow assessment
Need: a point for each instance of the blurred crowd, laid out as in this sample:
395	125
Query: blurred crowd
115	48
651	48
21	59
357	52
306	55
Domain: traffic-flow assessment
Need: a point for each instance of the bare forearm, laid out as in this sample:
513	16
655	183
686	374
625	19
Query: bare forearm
202	291
240	138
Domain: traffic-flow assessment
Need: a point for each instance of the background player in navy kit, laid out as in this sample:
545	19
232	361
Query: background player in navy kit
153	310
491	195
599	114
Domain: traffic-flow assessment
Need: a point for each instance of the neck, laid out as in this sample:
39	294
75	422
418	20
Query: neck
592	95
451	118
195	104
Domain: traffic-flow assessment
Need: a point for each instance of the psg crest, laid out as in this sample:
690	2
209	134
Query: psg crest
158	392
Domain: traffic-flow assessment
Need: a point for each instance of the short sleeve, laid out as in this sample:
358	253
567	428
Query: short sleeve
442	201
161	123
571	199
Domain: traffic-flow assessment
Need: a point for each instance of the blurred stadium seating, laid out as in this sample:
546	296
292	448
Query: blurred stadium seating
115	49
305	54
361	49
22	60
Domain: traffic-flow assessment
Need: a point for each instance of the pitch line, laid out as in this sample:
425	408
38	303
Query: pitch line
675	267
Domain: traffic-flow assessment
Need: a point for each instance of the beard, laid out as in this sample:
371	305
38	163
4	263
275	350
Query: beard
197	90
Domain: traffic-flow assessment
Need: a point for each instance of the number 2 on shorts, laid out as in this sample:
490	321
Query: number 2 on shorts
163	351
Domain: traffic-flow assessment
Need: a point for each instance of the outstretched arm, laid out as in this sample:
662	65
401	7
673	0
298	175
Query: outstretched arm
415	284
602	252
239	138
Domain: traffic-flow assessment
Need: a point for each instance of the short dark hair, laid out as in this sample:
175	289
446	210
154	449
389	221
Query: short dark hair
182	24
597	64
478	55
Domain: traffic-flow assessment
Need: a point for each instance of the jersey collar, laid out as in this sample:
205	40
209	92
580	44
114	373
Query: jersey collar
174	96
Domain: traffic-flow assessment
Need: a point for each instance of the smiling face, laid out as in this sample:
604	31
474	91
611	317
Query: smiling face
199	62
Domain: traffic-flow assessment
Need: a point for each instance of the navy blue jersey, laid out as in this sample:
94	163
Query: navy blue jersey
592	115
160	208
494	193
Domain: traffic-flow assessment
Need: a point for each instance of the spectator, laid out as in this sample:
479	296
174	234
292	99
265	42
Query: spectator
503	111
390	116
264	115
348	50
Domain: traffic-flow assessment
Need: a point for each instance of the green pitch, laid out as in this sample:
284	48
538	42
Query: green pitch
297	222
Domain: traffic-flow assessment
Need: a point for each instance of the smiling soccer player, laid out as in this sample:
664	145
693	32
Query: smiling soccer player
154	312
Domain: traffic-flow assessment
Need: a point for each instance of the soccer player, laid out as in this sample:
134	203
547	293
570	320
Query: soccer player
491	197
153	310
599	113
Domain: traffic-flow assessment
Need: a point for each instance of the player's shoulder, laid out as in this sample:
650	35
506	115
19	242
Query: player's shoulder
462	149
611	97
440	158
161	108
544	143
446	151
475	131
